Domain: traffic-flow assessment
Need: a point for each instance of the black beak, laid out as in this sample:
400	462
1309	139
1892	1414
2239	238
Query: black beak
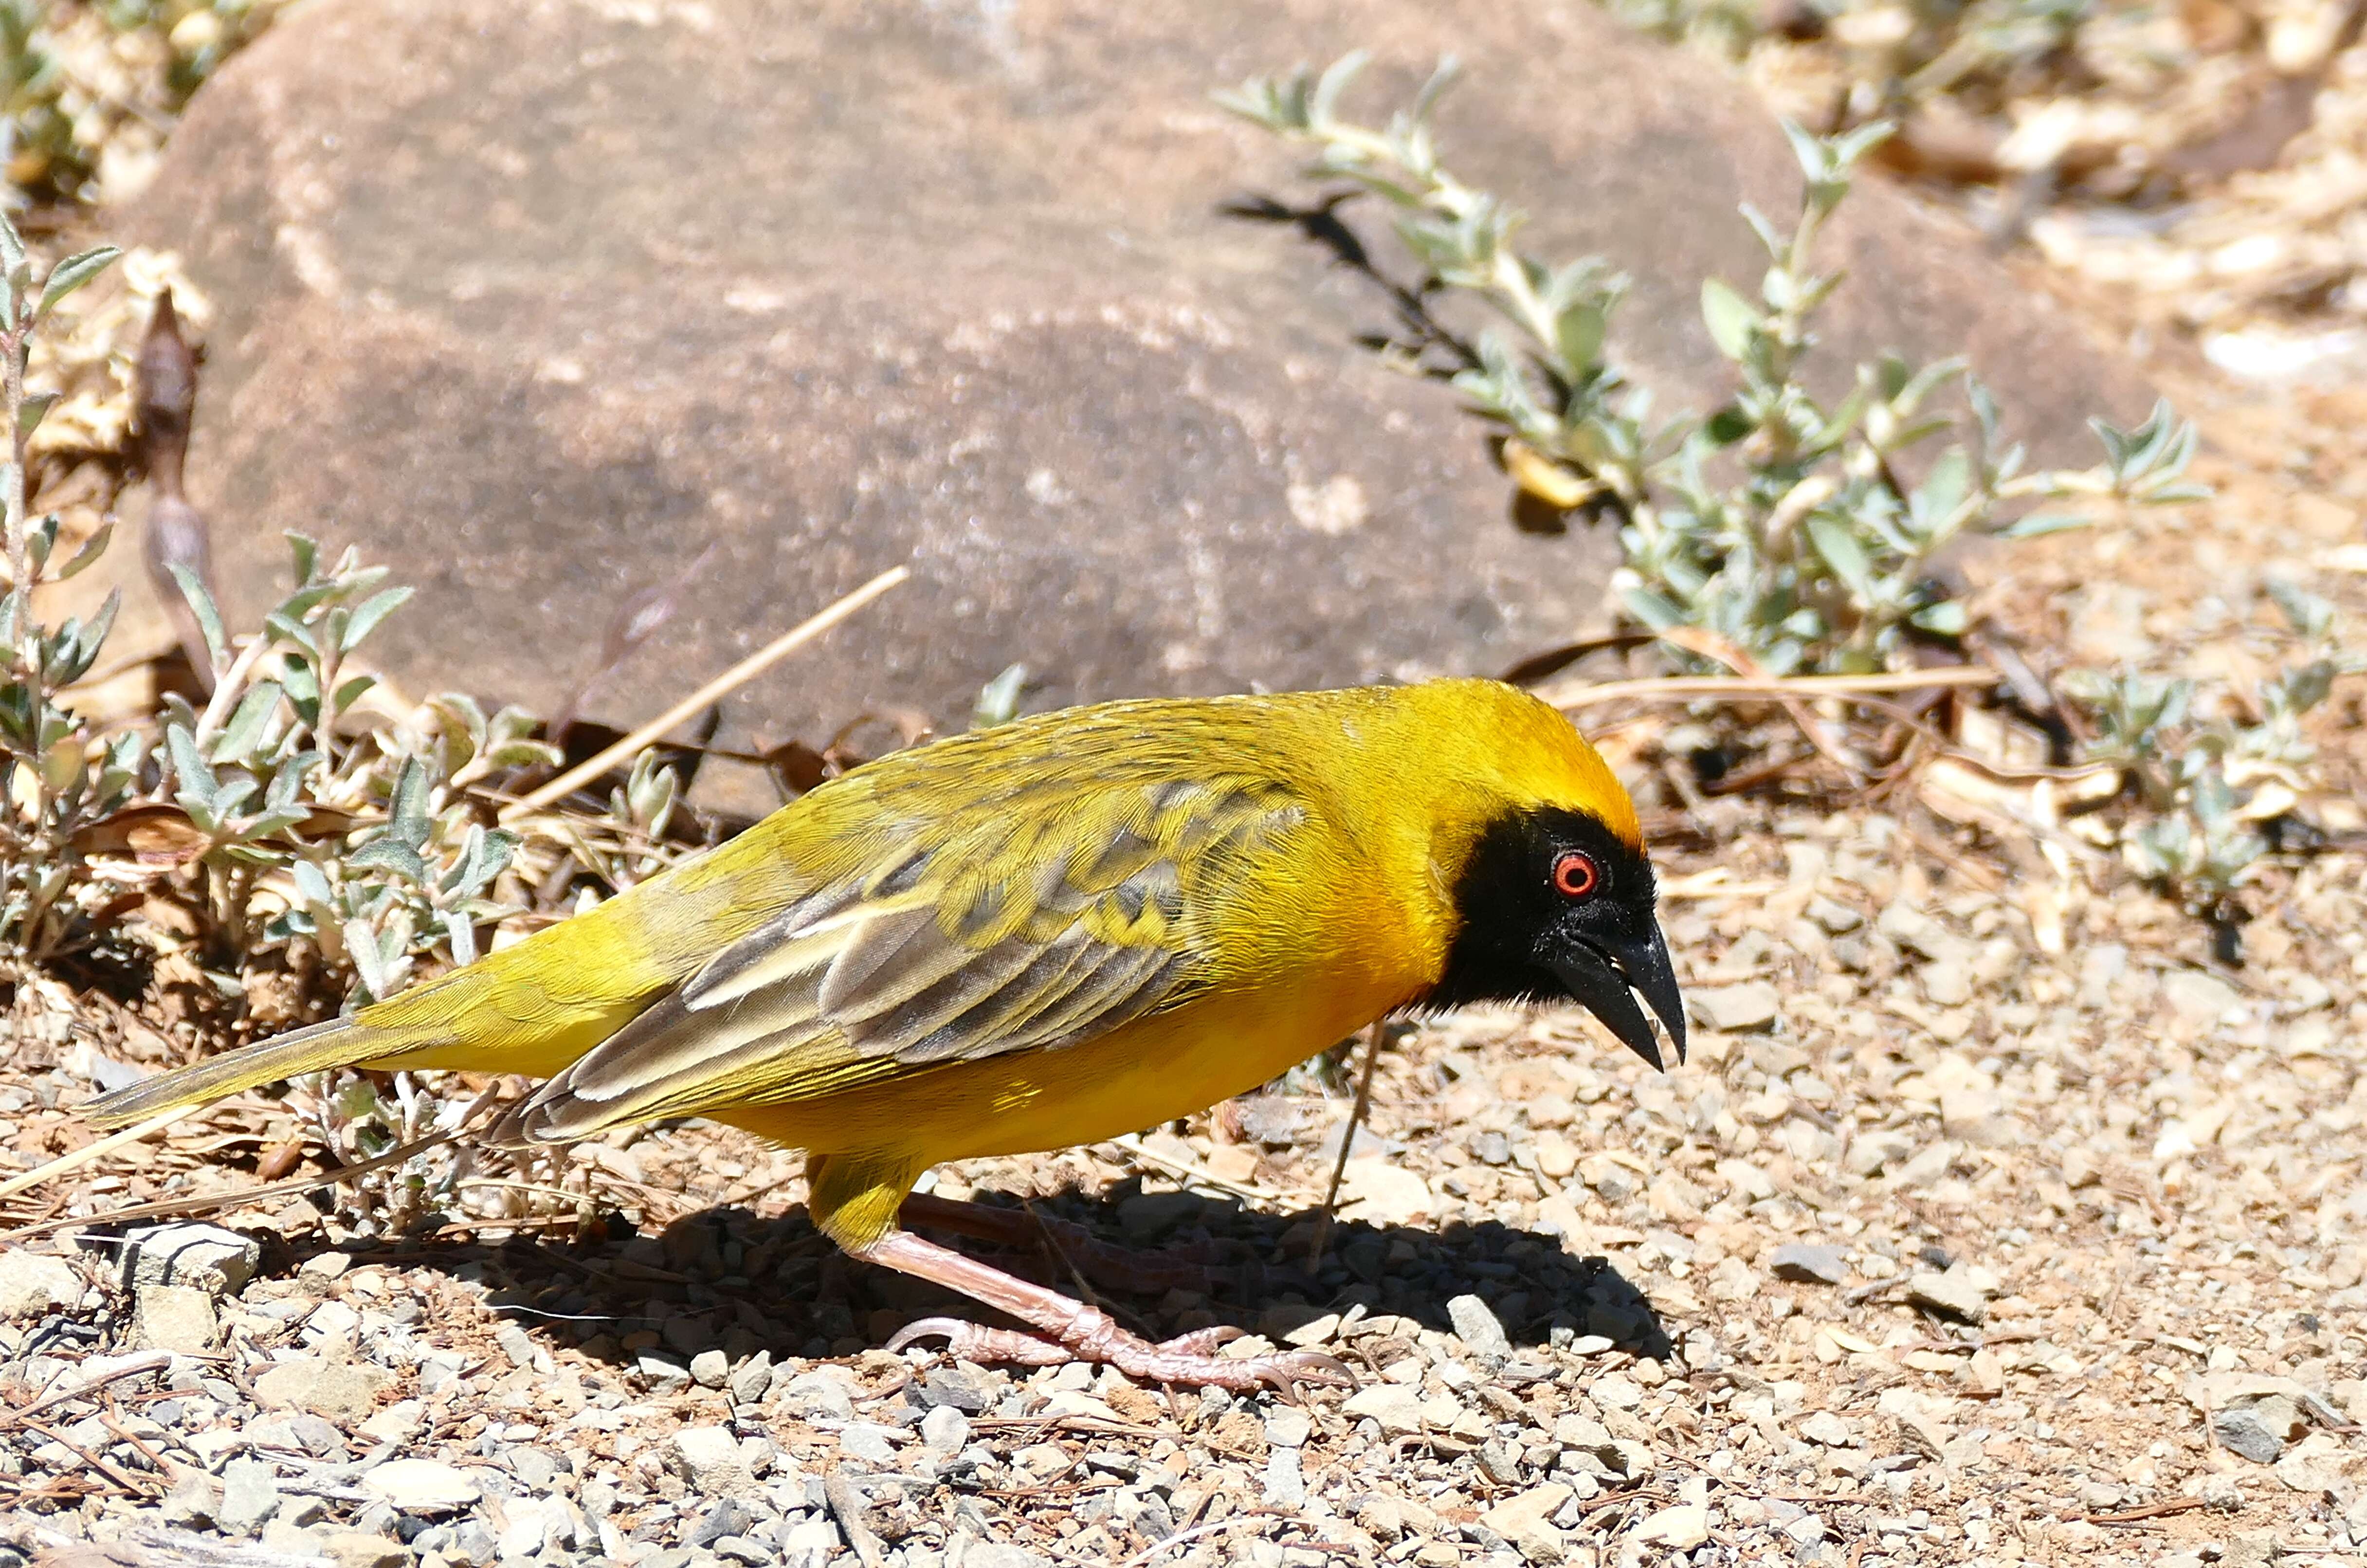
1603	980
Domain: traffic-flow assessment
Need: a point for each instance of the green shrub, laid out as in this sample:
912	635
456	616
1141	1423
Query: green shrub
1786	528
2204	792
1779	523
291	822
367	845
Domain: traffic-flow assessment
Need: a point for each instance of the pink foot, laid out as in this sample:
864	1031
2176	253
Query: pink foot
1187	1359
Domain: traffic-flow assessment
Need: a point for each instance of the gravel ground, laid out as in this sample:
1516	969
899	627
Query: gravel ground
1941	1249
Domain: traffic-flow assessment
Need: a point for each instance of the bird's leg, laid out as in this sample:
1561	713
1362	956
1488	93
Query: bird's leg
1070	1330
854	1198
1188	1267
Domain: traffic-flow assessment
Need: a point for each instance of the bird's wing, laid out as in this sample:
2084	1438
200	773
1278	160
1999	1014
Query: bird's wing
1036	920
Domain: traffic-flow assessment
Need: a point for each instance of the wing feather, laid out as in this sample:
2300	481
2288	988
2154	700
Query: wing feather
1003	1016
804	939
890	958
1121	988
1042	920
663	1060
960	999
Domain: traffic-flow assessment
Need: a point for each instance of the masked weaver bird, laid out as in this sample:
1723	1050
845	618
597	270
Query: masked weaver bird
1049	932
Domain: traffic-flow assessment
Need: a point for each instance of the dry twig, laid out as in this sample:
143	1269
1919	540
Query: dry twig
731	680
77	1158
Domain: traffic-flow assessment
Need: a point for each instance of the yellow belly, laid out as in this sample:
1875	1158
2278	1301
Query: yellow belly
1151	1071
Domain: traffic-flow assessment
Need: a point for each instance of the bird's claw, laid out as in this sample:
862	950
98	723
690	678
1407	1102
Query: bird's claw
1286	1373
973	1342
1188	1360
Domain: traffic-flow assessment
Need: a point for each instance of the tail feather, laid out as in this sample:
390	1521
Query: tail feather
338	1042
531	1009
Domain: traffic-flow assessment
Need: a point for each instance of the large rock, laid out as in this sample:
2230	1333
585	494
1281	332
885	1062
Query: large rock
536	300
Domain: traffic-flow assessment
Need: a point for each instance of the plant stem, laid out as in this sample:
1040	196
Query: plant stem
12	404
25	649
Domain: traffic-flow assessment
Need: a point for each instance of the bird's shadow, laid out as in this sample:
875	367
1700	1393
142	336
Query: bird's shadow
735	1281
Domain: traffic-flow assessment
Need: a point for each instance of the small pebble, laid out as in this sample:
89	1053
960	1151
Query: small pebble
729	1517
1288	1426
1830	1430
806	1536
709	1459
1616	1391
420	1486
179	1318
964	1388
250	1495
319	1436
1809	1263
663	1375
1679	1529
1396	1407
1835	917
868	1441
2241	1430
1951	1294
191	1502
535	1469
1475	1325
1732	1009
752	1380
944	1430
361	1549
1285	1483
517	1345
323	1266
819	1394
339	1390
1523	1513
205	1257
475	1540
32	1283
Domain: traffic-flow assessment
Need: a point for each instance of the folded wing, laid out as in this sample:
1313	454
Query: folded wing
1023	925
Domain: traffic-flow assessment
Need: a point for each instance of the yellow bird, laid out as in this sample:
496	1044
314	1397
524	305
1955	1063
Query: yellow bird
1048	933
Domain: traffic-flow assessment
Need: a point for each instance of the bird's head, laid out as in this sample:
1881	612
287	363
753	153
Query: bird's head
1556	905
1537	851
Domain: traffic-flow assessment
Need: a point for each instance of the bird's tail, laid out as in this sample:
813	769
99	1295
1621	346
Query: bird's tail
530	1009
338	1042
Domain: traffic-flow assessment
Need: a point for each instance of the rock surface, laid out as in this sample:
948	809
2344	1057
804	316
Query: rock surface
1477	1326
341	1390
566	296
360	1549
1395	1407
250	1495
709	1459
1682	1527
204	1257
1952	1293
1753	1004
180	1318
32	1283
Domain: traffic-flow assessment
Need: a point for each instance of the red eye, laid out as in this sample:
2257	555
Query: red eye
1574	875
